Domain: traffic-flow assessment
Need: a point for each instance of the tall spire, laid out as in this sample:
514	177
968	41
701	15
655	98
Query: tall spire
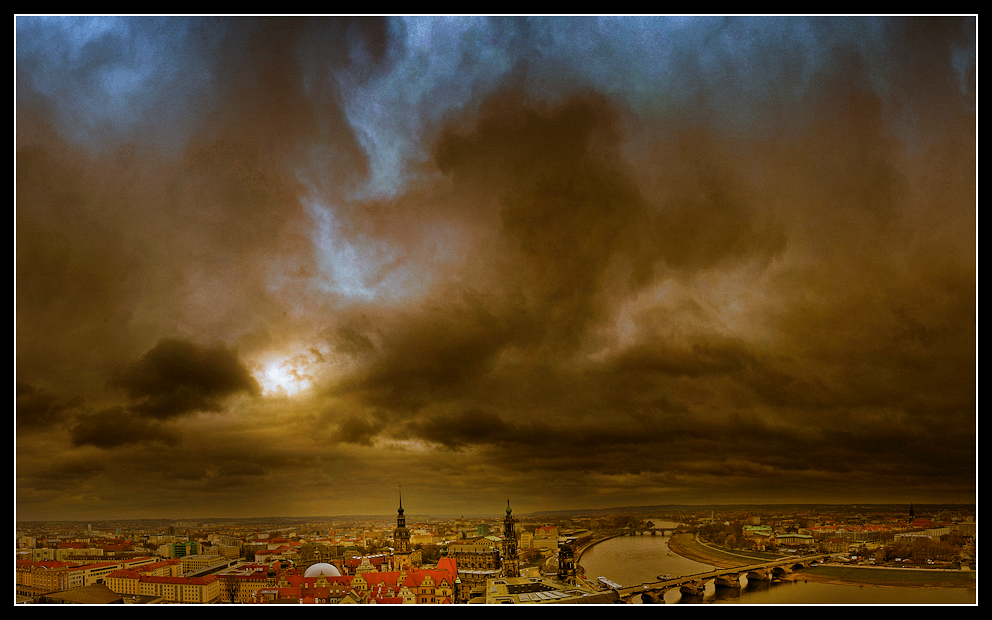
511	560
401	537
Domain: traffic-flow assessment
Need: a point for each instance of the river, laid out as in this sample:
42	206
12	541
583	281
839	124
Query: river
632	560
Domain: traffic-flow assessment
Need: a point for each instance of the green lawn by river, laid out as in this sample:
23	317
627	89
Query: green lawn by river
686	545
892	576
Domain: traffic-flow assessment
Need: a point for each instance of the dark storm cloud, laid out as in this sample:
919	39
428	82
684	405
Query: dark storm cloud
177	378
61	475
174	379
583	256
435	353
193	475
274	105
243	469
932	65
702	358
349	341
38	409
74	268
566	207
773	420
571	208
116	427
174	230
575	234
737	447
357	431
467	427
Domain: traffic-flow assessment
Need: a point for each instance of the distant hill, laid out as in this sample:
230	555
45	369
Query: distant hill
723	508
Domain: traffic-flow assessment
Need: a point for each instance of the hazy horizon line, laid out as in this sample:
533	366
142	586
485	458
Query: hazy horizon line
616	510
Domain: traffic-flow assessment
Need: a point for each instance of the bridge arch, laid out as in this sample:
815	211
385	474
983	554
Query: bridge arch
729	576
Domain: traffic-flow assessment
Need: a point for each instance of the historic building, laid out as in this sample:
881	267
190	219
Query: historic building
411	586
401	541
200	590
35	578
511	558
310	553
239	584
477	560
566	561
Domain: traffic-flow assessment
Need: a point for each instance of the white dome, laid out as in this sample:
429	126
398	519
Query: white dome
328	570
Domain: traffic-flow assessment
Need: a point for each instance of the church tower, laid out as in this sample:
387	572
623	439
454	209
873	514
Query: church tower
566	562
511	559
401	540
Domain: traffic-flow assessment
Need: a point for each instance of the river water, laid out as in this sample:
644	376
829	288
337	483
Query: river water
633	560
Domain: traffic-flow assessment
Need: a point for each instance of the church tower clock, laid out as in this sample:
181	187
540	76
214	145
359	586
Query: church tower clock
401	540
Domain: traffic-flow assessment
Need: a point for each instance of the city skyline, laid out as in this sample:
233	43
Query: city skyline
896	512
281	266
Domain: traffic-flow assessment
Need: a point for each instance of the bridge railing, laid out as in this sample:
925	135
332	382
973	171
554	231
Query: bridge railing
678	581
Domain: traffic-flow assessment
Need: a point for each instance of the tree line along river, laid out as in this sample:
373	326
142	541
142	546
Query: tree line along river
633	560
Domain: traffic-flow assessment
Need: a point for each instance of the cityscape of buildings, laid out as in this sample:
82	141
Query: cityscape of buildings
432	560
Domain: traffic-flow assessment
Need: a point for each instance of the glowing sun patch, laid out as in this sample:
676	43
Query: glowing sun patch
283	377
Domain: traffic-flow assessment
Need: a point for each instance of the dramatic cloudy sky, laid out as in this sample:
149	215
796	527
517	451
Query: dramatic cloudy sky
283	266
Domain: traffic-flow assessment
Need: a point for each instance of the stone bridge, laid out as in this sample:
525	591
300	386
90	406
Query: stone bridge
724	577
645	531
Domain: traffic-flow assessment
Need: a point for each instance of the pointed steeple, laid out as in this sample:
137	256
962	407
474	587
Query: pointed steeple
401	536
511	562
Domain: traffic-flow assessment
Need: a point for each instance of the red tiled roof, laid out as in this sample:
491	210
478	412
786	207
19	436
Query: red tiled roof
197	581
374	560
125	573
100	564
387	600
44	564
448	564
309	582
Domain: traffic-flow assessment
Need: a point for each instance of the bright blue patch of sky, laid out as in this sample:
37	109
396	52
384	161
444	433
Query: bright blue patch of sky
110	79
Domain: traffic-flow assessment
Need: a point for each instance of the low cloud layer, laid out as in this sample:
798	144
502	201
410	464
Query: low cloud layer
176	378
576	262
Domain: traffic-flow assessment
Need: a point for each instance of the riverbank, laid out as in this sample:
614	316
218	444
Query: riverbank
688	547
590	545
888	577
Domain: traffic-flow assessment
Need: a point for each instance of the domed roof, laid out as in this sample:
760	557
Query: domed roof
322	568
